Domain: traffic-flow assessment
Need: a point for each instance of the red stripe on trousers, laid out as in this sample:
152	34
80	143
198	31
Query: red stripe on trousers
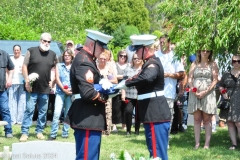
153	140
86	145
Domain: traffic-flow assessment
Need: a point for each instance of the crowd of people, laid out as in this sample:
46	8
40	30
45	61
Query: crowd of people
154	89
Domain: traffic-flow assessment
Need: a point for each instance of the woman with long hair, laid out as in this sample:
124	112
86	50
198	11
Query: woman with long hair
202	100
63	93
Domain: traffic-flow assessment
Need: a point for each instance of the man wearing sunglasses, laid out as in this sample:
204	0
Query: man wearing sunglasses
87	113
38	60
153	109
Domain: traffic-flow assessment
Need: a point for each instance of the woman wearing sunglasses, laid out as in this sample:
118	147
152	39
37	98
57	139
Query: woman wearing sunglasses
117	103
129	95
230	82
203	77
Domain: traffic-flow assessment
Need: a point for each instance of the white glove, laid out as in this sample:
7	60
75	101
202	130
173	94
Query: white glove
105	84
121	85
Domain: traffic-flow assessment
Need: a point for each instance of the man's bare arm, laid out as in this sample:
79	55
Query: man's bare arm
25	71
177	75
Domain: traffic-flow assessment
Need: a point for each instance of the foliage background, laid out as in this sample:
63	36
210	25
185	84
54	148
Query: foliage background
189	23
193	24
68	19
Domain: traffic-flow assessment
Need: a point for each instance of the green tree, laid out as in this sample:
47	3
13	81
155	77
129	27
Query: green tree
118	12
16	29
196	23
154	18
121	38
157	33
121	35
68	19
63	19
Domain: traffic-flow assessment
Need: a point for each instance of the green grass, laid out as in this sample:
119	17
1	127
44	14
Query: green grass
181	144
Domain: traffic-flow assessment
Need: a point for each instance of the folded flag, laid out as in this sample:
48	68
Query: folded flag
111	90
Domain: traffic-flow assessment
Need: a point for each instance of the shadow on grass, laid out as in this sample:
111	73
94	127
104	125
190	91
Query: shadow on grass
133	137
220	142
181	145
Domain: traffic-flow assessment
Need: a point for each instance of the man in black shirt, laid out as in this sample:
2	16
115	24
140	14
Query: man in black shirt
38	60
6	64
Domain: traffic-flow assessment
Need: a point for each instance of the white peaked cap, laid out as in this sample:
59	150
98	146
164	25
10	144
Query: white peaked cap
144	40
98	36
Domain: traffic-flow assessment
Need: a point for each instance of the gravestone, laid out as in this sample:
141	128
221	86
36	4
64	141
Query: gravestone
3	123
43	150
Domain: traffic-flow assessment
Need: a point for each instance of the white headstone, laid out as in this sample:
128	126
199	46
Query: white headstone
3	123
43	150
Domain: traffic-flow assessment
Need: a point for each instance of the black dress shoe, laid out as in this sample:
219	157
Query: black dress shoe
128	134
181	129
52	138
174	132
137	132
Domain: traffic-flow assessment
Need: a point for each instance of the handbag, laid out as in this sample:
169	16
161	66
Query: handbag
224	104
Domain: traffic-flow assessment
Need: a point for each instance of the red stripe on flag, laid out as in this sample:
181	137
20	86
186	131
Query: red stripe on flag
153	140
86	145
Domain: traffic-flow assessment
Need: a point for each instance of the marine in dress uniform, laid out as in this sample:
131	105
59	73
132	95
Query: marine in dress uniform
153	108
87	113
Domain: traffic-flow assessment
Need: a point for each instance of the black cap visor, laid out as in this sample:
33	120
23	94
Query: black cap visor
137	47
103	45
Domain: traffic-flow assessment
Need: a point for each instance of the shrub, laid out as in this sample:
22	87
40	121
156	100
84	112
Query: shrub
157	33
122	34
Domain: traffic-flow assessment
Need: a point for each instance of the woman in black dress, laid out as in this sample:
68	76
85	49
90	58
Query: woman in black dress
230	82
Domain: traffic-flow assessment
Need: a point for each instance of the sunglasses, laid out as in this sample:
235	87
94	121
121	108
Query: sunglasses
122	56
235	61
208	51
135	59
46	41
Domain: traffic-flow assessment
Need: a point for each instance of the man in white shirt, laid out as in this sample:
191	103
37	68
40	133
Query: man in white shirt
173	70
